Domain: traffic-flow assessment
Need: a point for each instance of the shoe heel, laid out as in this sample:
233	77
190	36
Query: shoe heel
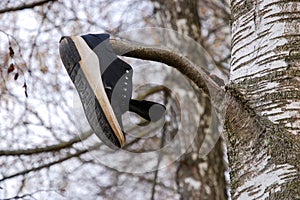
68	53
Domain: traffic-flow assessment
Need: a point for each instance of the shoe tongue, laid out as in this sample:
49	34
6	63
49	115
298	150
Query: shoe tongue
93	40
99	43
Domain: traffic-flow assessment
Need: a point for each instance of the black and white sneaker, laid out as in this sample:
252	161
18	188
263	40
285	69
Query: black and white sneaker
104	84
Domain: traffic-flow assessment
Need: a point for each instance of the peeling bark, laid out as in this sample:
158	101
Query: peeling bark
263	138
266	58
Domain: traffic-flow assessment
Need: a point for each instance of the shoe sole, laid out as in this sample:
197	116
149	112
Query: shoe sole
80	62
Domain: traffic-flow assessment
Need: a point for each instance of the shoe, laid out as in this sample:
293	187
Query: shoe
104	84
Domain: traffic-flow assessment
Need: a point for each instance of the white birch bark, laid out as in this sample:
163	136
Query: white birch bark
265	68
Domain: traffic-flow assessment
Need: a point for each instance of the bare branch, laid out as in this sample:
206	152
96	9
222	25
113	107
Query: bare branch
25	6
30	195
47	165
198	75
50	148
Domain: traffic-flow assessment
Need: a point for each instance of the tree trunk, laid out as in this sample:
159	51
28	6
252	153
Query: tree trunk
197	177
263	140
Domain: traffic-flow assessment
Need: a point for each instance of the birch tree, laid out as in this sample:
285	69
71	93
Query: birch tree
263	140
261	104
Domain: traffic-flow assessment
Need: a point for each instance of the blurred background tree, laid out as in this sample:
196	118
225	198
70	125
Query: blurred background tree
42	155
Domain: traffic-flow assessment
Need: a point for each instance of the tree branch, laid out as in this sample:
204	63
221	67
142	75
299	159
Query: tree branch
196	74
47	165
30	195
50	148
25	6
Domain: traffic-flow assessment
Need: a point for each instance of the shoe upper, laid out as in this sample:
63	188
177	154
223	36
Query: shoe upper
115	73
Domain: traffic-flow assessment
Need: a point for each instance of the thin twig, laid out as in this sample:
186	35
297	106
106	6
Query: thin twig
50	148
47	165
25	6
30	195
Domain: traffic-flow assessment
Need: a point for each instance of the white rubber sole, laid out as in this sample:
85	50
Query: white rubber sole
89	65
